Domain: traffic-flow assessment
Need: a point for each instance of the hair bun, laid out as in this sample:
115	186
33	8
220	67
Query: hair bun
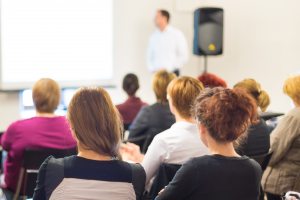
226	114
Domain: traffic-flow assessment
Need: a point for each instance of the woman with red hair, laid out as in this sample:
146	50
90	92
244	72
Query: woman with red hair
211	80
223	116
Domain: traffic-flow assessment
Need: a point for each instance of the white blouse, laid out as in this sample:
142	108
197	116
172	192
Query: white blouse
174	146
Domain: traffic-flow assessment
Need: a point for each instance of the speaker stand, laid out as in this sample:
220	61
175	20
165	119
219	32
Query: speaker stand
205	64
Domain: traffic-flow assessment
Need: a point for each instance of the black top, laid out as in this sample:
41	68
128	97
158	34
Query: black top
152	120
53	171
257	141
215	177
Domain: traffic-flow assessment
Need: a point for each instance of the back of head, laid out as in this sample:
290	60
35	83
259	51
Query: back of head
46	95
291	87
253	87
183	90
211	80
130	84
160	83
165	14
225	113
96	121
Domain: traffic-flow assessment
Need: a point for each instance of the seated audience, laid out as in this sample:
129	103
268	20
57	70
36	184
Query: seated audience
45	130
133	104
257	141
157	117
97	172
179	143
222	115
284	165
211	80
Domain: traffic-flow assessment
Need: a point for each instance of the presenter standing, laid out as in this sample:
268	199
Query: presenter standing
167	46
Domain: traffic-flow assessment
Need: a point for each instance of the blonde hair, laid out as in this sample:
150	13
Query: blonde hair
254	88
183	90
46	95
96	121
160	83
291	87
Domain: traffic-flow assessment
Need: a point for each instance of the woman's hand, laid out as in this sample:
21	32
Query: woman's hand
131	152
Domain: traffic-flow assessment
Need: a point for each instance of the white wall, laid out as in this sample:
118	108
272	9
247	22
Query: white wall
261	41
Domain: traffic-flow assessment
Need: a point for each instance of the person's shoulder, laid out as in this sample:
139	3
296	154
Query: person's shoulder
150	107
154	34
20	123
195	163
254	164
294	113
176	30
164	135
51	160
144	103
201	160
121	106
159	106
136	168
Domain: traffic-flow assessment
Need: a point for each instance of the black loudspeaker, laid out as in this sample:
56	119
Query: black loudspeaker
208	30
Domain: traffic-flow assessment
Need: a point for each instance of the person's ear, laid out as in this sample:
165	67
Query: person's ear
172	108
72	130
202	129
203	133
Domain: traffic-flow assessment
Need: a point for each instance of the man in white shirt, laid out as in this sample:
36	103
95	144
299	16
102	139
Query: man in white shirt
167	46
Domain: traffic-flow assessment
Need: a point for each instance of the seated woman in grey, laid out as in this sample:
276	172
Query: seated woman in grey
97	172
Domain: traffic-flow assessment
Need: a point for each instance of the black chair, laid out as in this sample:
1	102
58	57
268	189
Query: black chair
143	141
263	160
164	176
32	161
269	115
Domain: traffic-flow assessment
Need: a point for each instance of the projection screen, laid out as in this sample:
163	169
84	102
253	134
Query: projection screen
70	41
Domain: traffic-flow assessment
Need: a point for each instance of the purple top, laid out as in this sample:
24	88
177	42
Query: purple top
33	133
130	109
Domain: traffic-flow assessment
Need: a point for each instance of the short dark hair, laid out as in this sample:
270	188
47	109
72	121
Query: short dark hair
166	14
130	84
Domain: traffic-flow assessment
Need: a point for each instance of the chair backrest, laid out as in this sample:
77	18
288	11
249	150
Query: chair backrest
164	176
269	115
32	160
30	184
263	160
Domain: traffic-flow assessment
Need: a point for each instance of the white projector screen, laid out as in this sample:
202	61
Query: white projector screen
70	41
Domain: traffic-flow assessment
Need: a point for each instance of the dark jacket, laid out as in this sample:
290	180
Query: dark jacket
257	141
152	120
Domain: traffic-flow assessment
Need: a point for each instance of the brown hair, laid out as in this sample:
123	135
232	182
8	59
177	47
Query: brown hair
160	83
183	90
96	121
225	113
253	87
165	14
130	84
291	87
46	95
